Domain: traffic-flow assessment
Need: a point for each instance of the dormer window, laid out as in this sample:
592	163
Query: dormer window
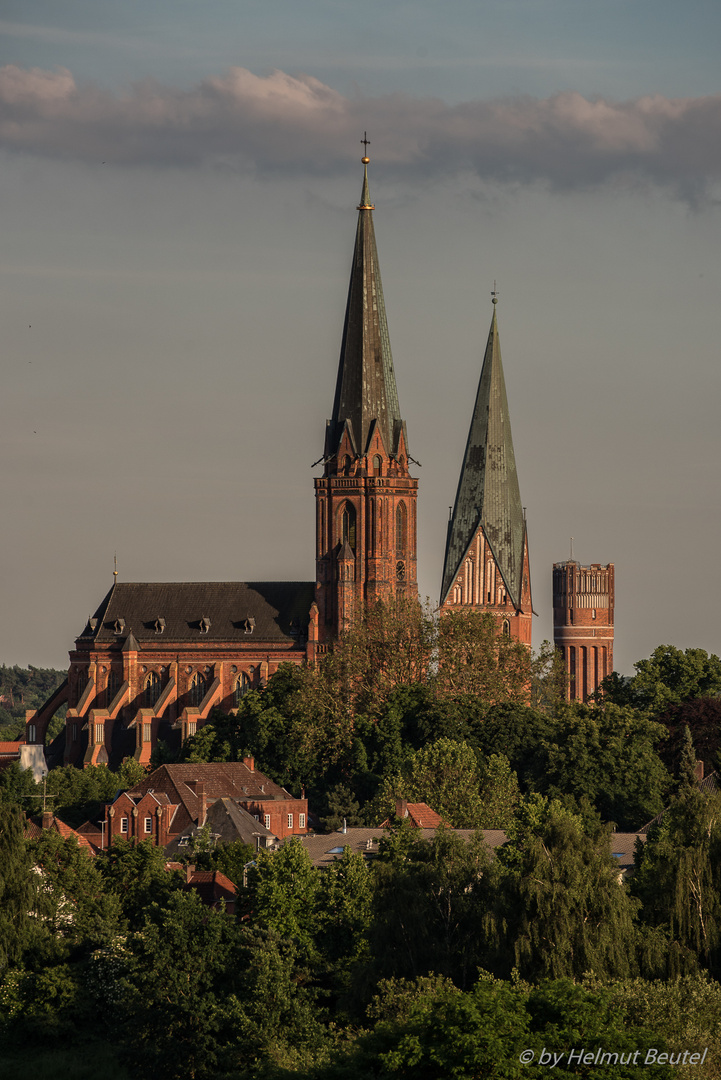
159	626
119	626
93	624
249	625
204	625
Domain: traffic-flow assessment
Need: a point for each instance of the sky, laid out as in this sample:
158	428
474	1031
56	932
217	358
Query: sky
180	182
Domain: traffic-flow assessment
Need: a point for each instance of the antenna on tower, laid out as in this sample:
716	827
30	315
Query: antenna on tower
571	549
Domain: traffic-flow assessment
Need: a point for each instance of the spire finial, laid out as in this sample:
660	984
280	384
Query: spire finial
494	293
571	550
365	203
115	567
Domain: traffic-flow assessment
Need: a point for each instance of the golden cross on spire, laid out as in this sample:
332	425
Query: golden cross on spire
366	143
494	294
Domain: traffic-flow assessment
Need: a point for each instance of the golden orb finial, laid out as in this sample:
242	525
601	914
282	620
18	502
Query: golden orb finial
366	143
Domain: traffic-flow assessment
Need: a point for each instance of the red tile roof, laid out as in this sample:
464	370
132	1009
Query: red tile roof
34	830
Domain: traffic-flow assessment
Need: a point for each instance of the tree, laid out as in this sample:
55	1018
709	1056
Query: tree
17	885
178	1007
475	660
282	889
136	874
446	776
434	906
608	755
671	676
567	911
72	900
678	874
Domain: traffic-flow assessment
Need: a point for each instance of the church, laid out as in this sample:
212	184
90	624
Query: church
155	658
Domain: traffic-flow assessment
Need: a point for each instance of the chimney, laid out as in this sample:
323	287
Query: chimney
249	763
189	871
202	802
401	808
698	771
47	819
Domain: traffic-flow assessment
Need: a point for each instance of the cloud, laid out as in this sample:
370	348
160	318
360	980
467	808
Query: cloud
285	123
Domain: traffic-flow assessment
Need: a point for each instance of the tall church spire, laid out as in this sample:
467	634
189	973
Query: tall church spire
486	563
366	498
366	384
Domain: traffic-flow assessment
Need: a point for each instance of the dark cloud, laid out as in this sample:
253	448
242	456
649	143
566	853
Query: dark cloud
296	123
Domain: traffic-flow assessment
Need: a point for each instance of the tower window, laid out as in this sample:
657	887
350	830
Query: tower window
401	528
348	526
377	465
506	628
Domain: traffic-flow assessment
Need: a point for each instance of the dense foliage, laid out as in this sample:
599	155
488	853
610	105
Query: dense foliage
26	688
433	959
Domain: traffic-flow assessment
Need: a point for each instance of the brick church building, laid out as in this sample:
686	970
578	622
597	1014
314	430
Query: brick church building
155	658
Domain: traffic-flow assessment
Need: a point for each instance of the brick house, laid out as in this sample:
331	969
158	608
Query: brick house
175	798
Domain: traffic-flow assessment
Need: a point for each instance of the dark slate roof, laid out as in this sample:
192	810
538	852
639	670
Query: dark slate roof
366	386
280	610
488	493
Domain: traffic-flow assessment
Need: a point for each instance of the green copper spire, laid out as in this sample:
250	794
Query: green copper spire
366	386
488	495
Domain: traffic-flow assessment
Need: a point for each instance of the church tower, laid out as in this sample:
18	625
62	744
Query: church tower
366	497
486	566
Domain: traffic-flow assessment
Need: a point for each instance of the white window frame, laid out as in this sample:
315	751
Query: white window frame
301	821
124	825
148	825
266	820
290	821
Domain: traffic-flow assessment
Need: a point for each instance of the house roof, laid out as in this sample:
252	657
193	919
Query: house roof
34	830
238	611
229	779
420	816
325	849
11	748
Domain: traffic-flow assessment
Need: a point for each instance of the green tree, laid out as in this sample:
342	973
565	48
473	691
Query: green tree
609	756
179	1006
566	909
671	676
446	776
678	874
72	900
17	885
282	888
434	906
136	875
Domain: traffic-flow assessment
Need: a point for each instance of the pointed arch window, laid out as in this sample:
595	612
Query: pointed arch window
151	690
197	689
401	528
347	524
113	686
242	686
377	465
